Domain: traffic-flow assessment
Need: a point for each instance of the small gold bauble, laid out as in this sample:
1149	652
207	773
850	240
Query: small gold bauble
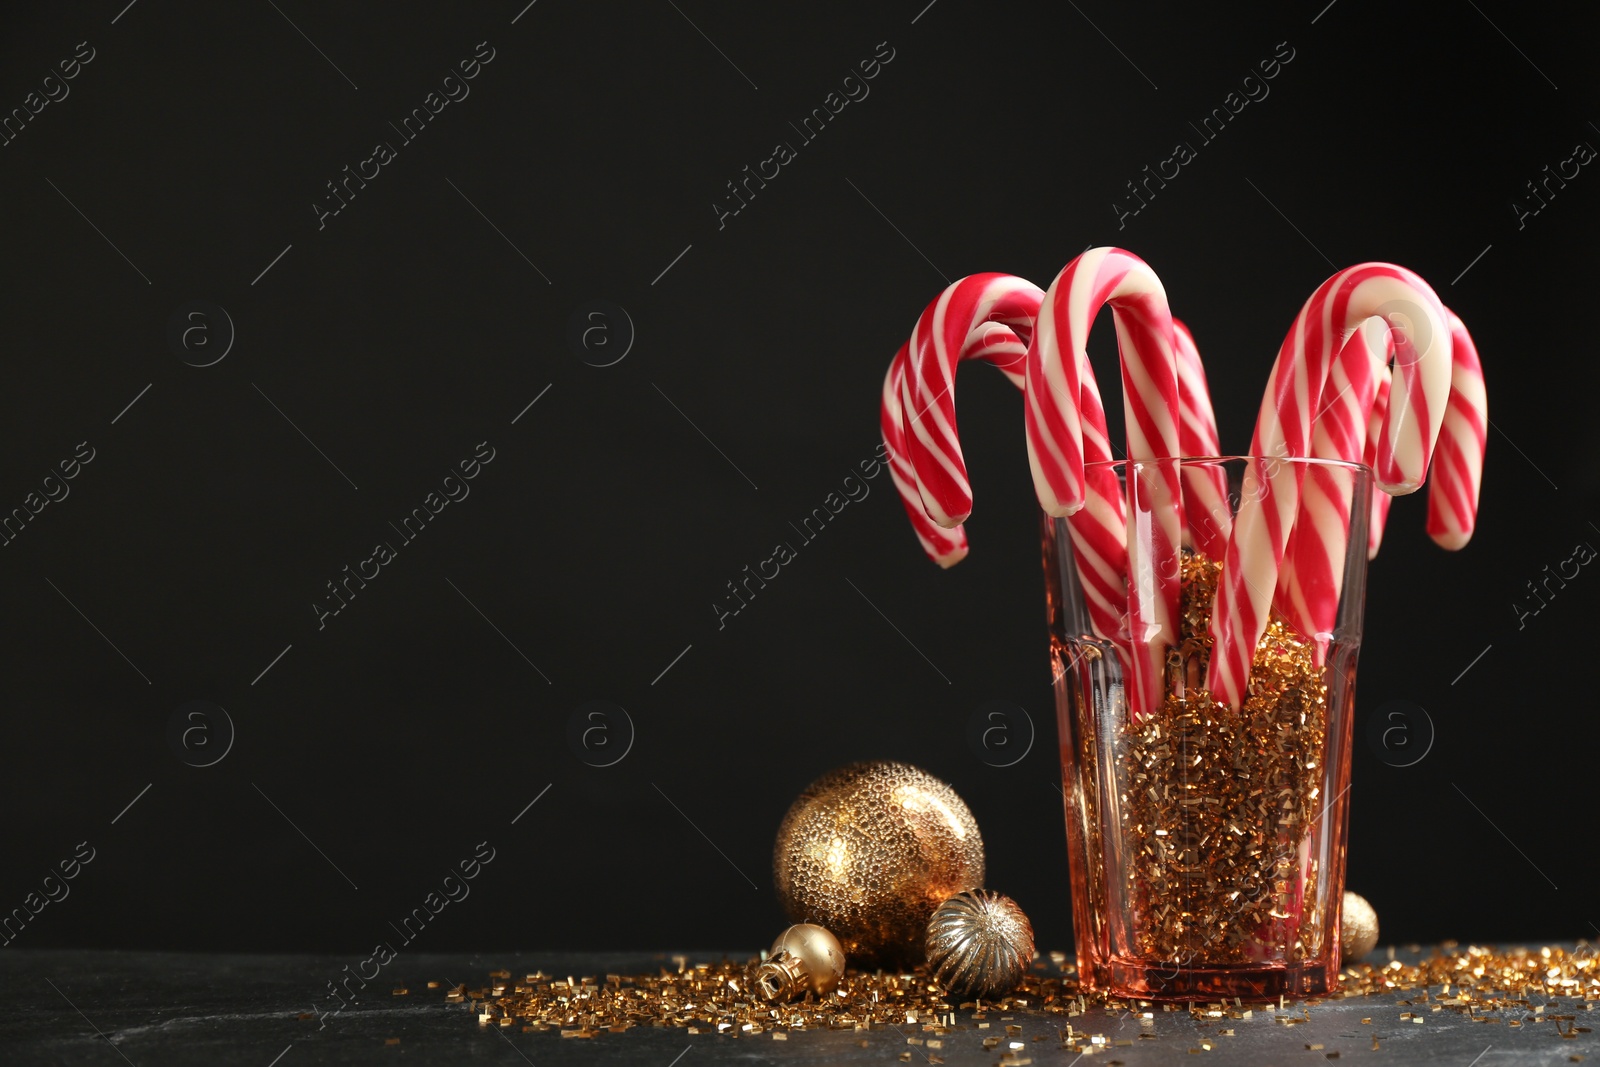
1358	928
804	959
869	851
979	944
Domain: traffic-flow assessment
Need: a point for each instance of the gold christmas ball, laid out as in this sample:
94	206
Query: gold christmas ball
979	944
804	959
1358	928
869	851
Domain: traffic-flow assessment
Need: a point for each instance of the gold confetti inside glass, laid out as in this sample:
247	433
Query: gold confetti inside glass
1207	843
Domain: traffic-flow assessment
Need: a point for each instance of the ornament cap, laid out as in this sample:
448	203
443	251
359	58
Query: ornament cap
780	978
804	959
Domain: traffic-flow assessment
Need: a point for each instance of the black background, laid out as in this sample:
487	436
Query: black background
597	140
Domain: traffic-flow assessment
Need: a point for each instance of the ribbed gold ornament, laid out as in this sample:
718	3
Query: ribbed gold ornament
869	851
979	944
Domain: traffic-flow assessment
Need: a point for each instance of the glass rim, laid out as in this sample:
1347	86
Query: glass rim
1357	468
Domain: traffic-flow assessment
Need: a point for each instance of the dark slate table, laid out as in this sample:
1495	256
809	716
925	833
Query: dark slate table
170	1009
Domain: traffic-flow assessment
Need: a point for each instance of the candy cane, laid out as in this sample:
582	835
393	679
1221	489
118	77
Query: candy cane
927	391
994	344
1099	528
1096	531
1207	516
1313	566
1057	360
1458	463
1349	428
1270	495
944	547
1380	501
1453	496
997	307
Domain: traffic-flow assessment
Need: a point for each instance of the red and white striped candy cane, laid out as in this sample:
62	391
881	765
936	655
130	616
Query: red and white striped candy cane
1096	531
1349	428
1458	462
996	344
981	304
1270	496
1057	362
944	547
1099	528
1313	566
1207	516
1000	340
1453	495
1380	501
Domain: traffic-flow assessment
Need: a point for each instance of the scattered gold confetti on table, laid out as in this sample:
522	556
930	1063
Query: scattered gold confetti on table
1528	986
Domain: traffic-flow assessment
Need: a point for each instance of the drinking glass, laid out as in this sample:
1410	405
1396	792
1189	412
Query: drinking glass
1207	843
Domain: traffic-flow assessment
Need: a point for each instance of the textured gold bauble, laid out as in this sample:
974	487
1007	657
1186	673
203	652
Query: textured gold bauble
869	851
804	959
1358	928
979	944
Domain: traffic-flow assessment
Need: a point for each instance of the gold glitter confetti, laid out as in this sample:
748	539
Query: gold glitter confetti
1533	986
1214	802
